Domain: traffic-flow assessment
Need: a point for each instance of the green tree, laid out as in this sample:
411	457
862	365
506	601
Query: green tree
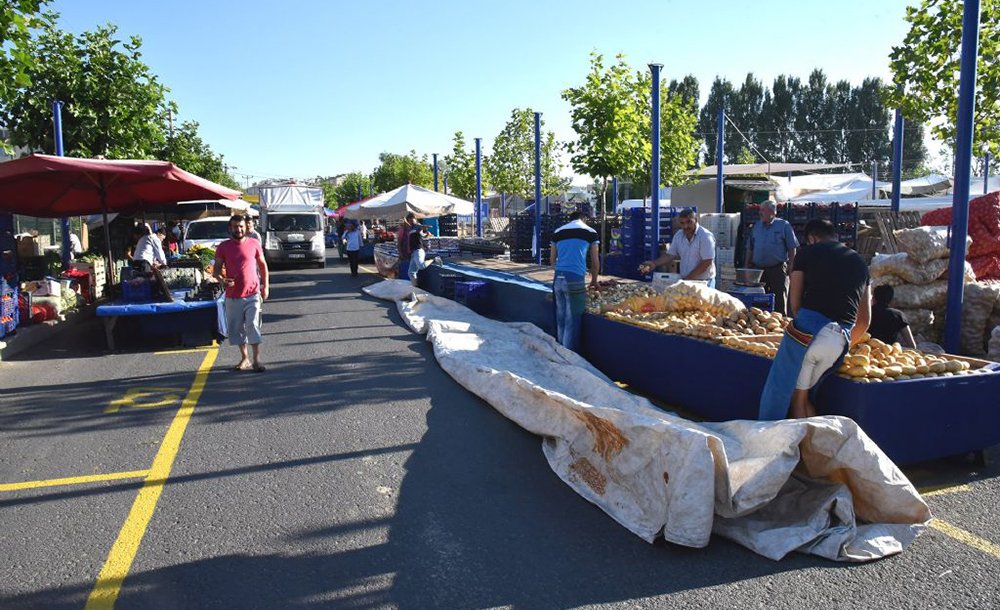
461	169
608	122
687	89
868	125
721	95
187	150
511	166
925	71
18	18
347	191
397	170
678	142
114	105
813	118
778	120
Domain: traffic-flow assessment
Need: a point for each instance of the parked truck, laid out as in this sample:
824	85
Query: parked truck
291	224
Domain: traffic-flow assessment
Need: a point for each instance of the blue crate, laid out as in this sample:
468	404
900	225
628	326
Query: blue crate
134	291
473	294
846	212
760	301
8	303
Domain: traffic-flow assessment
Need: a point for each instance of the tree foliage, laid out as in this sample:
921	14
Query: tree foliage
925	71
114	104
815	121
397	170
186	149
17	20
461	172
511	166
347	191
678	142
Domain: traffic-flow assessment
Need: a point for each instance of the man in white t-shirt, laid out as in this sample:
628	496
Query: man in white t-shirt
694	246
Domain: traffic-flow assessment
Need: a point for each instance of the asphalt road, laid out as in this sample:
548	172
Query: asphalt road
355	473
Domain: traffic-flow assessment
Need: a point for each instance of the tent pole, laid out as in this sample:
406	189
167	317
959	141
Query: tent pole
107	235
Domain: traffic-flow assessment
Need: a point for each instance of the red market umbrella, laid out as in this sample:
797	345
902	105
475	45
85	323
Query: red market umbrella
47	186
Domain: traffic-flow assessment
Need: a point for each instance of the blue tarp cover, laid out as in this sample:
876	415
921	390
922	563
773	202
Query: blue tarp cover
121	308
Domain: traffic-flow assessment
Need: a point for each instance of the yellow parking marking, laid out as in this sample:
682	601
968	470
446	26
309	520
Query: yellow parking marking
193	350
940	490
125	547
965	537
90	478
140	398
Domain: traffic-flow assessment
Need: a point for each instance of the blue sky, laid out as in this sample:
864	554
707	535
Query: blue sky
303	88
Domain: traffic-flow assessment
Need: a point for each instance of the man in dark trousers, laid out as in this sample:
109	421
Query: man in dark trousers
772	248
830	298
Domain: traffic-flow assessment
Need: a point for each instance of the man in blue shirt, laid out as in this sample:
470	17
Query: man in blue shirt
572	243
772	248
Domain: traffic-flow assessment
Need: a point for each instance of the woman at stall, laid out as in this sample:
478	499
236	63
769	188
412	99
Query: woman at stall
418	255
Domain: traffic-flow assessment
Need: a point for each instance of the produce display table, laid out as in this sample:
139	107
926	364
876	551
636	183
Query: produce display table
180	316
912	420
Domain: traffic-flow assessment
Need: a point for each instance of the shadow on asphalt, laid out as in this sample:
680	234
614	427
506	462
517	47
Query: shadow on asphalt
480	520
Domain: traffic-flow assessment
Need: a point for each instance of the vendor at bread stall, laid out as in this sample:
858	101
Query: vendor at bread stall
830	298
694	246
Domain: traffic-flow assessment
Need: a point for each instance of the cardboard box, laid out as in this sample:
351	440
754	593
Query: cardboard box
32	246
725	257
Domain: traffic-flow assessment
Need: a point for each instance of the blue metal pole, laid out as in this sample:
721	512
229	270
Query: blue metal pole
874	179
963	166
538	188
57	137
479	187
986	174
360	193
654	168
720	144
614	195
897	159
435	172
503	204
446	184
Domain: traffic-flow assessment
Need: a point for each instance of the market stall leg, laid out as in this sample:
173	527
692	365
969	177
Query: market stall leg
109	331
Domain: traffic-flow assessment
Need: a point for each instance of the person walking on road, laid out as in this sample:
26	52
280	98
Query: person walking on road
246	280
353	240
772	249
572	245
403	243
831	300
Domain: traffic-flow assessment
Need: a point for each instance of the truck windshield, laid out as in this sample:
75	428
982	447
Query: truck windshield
208	230
293	222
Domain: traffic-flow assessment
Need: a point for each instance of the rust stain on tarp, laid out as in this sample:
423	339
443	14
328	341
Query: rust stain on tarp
608	439
590	475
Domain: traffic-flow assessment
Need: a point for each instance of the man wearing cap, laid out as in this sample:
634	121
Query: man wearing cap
772	249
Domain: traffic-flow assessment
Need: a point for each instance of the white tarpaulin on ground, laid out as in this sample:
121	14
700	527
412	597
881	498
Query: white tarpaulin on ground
423	202
818	486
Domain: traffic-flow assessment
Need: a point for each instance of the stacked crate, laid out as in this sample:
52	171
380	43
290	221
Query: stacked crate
844	217
448	225
522	231
97	277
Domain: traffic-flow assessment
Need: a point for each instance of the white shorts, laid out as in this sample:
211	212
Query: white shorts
823	352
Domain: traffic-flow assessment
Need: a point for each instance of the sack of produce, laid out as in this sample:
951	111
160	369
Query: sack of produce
970	274
888	280
993	352
921	322
925	243
928	296
695	296
902	266
986	267
978	305
984	224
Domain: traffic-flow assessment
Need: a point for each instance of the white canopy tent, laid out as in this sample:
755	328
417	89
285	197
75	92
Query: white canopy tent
425	203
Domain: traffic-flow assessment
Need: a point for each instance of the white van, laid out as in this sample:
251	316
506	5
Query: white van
207	232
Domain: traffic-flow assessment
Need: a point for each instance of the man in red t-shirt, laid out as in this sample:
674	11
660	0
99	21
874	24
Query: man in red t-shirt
246	282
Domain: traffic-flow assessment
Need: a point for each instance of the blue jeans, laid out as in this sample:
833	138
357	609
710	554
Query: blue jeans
570	291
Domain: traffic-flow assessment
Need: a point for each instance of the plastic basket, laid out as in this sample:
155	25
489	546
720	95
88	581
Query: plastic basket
760	301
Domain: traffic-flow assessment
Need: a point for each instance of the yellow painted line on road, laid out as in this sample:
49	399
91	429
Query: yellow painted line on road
940	490
90	478
367	270
193	350
967	538
123	551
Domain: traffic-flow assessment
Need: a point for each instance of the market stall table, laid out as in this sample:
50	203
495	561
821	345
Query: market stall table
179	316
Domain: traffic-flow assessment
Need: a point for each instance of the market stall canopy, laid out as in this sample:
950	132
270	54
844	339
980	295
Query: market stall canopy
925	185
750	169
47	186
237	205
423	202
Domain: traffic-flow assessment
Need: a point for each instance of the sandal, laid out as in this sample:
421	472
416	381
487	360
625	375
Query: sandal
259	368
239	368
